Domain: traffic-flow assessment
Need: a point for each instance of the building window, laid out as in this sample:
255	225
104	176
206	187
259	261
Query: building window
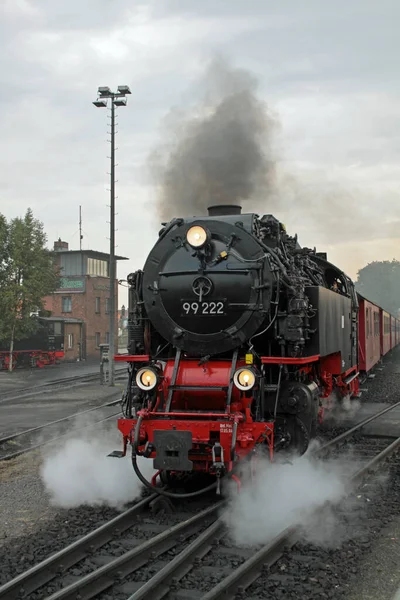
97	334
70	341
107	306
66	304
98	304
107	337
97	268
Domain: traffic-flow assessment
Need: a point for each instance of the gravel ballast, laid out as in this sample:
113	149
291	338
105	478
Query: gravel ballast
31	528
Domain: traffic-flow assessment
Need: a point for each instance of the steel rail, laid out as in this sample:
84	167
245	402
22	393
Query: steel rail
77	414
104	577
48	569
357	427
58	437
251	569
160	584
29	391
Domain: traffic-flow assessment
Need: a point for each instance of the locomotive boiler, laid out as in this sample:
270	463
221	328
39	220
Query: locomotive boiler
239	339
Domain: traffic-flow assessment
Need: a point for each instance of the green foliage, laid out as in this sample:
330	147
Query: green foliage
379	281
27	274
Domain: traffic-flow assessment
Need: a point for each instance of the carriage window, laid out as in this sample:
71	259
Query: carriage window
367	321
376	324
386	325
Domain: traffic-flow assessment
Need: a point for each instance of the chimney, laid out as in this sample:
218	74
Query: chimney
60	246
224	209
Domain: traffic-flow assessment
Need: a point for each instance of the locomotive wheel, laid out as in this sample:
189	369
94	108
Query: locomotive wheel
297	435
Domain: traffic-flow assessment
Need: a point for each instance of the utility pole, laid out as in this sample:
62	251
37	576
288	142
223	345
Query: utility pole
117	99
80	229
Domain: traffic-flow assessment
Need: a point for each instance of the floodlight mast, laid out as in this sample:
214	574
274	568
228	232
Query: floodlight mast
117	99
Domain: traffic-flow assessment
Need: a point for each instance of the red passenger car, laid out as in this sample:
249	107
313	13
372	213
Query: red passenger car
392	333
385	331
369	336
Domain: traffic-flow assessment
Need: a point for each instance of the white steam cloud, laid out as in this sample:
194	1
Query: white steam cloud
288	494
342	411
79	472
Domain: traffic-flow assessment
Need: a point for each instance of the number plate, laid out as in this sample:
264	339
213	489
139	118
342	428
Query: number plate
205	308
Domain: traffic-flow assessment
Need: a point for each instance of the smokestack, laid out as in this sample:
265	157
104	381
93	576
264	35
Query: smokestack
224	209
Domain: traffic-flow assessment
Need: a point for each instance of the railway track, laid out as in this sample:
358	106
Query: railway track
186	555
146	536
15	445
192	573
120	374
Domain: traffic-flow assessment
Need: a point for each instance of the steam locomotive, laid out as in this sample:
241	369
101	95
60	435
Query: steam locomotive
43	347
239	339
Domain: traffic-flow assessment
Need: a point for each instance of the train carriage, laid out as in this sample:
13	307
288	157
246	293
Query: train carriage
369	334
385	331
392	332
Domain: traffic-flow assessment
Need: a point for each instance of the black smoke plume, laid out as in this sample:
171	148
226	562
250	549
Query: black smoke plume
220	153
223	150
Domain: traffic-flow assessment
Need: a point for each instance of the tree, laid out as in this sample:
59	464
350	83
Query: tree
27	275
379	281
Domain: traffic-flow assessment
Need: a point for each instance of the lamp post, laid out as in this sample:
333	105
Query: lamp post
117	99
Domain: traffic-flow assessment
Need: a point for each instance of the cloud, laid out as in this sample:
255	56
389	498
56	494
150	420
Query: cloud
328	71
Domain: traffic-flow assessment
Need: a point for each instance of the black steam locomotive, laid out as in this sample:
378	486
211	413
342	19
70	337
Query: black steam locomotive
238	341
43	347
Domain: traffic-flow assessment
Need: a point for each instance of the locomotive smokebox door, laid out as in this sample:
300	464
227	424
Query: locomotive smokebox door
172	450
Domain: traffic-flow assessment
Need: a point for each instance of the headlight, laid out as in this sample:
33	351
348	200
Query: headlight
196	236
244	379
146	379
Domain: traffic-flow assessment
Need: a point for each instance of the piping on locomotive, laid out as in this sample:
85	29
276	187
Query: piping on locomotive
238	340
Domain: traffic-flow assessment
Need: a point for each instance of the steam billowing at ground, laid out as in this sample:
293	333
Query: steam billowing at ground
287	494
223	149
221	153
78	471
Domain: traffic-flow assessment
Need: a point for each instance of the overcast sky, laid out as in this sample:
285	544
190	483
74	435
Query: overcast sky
329	73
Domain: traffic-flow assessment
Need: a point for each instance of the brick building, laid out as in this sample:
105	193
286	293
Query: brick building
83	300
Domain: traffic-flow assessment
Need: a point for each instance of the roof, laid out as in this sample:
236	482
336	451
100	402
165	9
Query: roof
94	253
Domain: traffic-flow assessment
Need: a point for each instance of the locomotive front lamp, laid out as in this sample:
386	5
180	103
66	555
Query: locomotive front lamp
146	379
244	379
196	236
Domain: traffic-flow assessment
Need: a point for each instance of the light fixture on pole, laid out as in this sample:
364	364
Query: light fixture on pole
117	99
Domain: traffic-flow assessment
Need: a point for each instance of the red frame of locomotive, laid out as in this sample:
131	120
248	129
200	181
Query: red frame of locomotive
234	421
42	358
247	431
